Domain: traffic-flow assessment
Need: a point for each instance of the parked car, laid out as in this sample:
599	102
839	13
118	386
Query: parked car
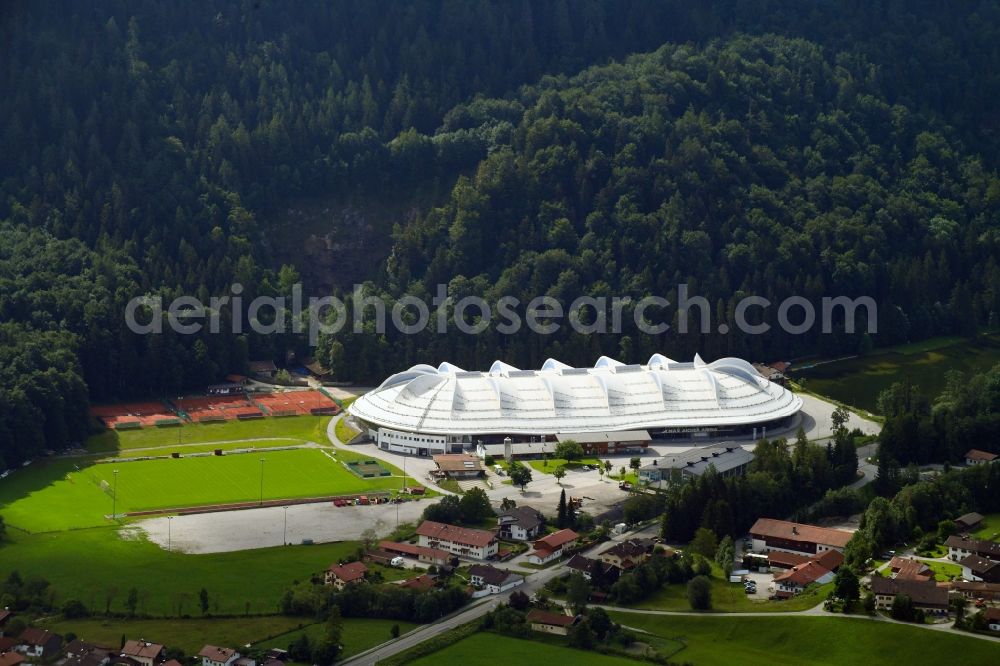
396	562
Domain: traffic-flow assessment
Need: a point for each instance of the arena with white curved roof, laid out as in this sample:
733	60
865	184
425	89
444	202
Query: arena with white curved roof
427	410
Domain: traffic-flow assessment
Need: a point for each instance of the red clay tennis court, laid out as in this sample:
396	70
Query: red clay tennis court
218	408
296	403
134	414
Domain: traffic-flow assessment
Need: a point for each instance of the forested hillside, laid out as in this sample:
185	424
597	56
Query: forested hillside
146	146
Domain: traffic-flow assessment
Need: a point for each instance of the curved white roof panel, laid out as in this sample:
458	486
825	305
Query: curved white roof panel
610	396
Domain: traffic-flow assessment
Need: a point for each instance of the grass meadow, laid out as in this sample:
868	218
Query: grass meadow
990	529
801	641
98	567
858	381
490	649
292	429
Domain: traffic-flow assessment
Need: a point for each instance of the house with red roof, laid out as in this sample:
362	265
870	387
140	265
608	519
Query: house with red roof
796	579
342	575
769	534
979	457
461	541
550	623
551	546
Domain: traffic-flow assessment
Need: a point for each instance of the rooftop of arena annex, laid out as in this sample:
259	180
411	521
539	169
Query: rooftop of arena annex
663	393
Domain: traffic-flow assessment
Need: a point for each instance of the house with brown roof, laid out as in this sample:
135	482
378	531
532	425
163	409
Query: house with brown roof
145	653
212	655
265	369
421	583
12	659
969	521
38	643
796	579
458	466
493	579
628	554
342	575
550	623
769	534
462	541
587	566
551	546
926	595
978	457
977	590
976	568
7	643
905	568
424	554
960	547
79	653
522	523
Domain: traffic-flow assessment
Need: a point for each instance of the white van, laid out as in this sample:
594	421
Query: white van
396	562
498	469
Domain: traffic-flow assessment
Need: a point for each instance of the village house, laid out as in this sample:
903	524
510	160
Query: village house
423	554
342	575
586	566
993	618
494	580
960	547
263	369
795	580
769	534
79	653
978	457
926	595
905	568
550	623
977	590
522	523
11	659
458	466
976	568
147	654
36	643
212	655
421	583
550	547
462	541
969	521
628	554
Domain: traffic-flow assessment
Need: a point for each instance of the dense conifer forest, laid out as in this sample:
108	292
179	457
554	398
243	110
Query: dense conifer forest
579	146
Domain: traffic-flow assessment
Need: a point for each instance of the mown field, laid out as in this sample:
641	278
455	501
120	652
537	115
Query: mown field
98	567
990	529
802	641
858	381
293	429
491	649
191	635
71	493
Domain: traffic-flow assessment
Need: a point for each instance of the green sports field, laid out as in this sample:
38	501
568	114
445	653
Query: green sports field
293	429
491	649
802	641
70	494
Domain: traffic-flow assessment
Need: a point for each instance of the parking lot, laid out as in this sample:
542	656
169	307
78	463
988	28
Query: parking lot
764	585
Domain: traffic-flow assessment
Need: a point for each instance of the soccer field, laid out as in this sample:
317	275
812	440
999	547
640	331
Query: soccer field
58	496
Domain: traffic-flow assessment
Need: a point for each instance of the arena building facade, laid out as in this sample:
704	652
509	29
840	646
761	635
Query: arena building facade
611	407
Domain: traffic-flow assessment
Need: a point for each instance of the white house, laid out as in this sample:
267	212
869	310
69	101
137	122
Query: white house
493	579
212	655
463	541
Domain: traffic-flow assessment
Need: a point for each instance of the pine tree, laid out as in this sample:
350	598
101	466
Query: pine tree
561	512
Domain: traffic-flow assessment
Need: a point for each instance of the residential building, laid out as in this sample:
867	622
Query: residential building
551	546
769	534
493	579
993	618
628	554
342	575
978	457
36	643
550	623
11	659
79	653
969	521
458	466
905	568
726	459
462	541
265	369
587	567
926	595
960	547
977	590
212	655
976	568
796	579
434	556
421	583
522	523
147	654
5	616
